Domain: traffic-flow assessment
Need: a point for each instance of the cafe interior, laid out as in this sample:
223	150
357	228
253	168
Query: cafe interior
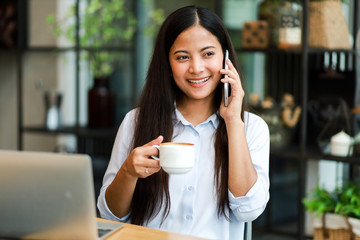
299	59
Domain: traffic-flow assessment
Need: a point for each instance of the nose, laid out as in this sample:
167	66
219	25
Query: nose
196	65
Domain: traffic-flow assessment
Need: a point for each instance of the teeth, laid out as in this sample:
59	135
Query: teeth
198	81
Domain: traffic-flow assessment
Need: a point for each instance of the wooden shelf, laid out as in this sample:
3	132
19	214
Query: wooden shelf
268	50
315	154
295	51
311	154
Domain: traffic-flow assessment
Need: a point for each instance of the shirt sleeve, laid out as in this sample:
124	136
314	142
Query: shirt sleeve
120	152
249	207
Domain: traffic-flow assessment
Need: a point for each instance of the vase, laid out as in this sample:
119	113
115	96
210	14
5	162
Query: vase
101	112
52	101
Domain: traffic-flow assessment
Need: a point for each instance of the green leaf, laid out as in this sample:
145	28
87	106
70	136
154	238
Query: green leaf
50	19
321	202
102	23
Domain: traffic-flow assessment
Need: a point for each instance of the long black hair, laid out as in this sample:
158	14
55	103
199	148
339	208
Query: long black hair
156	110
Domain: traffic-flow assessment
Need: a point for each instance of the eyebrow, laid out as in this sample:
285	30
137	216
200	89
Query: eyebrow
184	51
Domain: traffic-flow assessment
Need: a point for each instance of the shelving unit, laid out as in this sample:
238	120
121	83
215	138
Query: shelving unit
306	151
97	142
82	133
290	71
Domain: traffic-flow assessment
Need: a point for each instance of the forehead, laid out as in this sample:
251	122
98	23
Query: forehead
195	37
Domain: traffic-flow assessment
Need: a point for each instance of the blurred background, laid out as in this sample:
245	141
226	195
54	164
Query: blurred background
71	69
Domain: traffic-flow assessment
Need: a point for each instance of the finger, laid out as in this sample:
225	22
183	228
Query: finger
151	163
229	80
229	63
150	170
156	141
231	72
231	75
149	151
142	157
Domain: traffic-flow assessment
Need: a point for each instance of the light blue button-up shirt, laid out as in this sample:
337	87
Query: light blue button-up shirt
193	195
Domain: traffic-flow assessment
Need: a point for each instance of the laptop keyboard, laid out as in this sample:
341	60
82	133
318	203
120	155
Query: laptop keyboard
102	232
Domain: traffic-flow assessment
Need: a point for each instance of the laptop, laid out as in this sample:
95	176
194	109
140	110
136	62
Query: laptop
48	196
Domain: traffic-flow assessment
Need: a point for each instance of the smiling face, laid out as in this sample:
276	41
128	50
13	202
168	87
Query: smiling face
196	58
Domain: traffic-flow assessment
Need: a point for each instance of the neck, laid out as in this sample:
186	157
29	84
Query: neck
196	111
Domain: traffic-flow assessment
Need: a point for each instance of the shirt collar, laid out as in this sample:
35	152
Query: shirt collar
179	118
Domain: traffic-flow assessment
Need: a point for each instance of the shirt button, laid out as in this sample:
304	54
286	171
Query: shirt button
190	188
189	217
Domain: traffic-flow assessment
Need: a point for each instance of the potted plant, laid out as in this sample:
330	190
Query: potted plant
103	23
322	201
337	213
349	201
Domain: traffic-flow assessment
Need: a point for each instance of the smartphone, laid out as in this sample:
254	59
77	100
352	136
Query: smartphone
226	85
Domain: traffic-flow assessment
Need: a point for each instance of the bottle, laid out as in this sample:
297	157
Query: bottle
101	112
289	24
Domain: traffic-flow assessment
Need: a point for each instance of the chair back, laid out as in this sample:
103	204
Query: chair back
247	231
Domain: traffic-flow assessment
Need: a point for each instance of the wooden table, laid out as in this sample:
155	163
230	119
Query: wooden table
135	232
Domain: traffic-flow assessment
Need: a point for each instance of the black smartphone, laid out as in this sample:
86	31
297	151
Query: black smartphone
226	85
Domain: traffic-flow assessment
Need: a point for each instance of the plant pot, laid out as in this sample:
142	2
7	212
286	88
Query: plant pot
335	227
355	222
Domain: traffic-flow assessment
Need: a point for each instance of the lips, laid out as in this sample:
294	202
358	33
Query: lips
198	81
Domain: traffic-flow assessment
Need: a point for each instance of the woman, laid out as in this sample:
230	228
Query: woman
182	102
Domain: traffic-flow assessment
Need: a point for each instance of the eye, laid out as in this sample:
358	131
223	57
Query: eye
182	57
209	54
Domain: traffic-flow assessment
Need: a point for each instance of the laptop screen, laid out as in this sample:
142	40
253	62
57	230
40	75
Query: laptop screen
46	196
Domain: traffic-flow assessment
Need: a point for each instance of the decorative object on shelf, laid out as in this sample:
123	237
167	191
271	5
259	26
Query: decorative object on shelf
52	101
255	34
336	214
281	119
331	72
289	24
328	115
8	24
290	113
267	11
341	144
269	111
101	104
327	25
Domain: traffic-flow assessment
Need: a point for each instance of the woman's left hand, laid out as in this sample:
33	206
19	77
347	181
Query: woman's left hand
233	110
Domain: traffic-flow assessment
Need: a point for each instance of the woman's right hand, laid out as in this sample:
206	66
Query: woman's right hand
139	162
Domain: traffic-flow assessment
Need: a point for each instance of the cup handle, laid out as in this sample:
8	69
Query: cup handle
155	157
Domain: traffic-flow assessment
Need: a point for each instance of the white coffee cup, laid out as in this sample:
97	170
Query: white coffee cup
176	158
